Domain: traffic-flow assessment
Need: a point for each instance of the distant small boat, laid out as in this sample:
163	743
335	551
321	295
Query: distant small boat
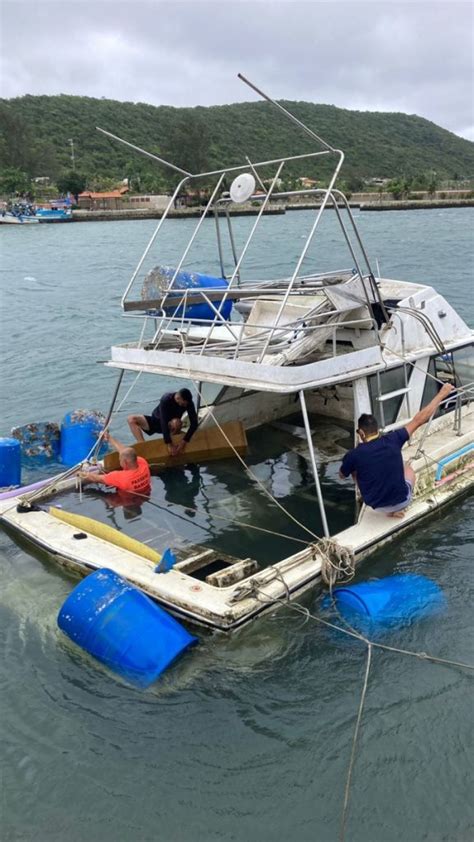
54	215
18	214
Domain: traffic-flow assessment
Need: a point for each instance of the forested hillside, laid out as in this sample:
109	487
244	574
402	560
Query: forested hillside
36	133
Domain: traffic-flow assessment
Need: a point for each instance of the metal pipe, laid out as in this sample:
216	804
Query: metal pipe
305	248
192	238
232	244
247	243
151	241
373	284
109	414
144	152
219	243
287	113
314	465
257	177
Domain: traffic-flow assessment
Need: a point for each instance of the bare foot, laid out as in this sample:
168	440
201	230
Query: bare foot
396	514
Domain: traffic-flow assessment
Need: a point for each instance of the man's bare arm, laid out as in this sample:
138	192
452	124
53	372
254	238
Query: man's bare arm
425	414
108	437
92	476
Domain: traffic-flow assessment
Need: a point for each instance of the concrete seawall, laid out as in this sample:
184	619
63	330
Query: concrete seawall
280	208
182	213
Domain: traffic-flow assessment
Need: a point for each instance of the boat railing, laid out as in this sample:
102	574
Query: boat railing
238	343
219	199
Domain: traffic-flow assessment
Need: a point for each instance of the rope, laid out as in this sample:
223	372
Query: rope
371	644
337	563
245	466
220	517
355	738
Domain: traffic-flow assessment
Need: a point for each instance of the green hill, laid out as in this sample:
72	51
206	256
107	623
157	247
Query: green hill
35	134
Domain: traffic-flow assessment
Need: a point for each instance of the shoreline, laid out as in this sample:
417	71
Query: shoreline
277	209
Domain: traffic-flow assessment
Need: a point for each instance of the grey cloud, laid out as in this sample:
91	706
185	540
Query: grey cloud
414	57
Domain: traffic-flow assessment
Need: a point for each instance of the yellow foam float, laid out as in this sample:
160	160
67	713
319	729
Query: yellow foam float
107	533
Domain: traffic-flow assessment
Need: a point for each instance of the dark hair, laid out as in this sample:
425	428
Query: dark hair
186	395
368	424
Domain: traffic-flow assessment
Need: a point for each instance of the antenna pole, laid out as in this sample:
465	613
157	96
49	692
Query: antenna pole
287	113
144	152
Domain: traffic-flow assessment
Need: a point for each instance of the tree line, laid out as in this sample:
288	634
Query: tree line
36	134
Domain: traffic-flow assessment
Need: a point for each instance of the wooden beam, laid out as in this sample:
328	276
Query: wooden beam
206	445
214	295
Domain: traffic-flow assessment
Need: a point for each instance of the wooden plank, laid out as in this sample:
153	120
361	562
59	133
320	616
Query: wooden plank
177	298
206	445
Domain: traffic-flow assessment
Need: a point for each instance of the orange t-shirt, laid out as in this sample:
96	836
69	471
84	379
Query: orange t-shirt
135	480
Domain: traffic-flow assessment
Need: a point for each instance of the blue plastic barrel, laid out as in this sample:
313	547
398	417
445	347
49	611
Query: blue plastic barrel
194	280
79	432
10	462
121	627
395	600
162	276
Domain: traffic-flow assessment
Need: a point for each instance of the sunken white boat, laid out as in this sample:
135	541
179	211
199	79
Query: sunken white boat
285	354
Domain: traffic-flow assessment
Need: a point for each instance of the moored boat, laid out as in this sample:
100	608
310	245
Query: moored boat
18	213
290	351
54	215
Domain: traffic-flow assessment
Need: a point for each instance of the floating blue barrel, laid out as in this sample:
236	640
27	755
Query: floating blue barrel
393	601
160	278
122	627
10	462
79	432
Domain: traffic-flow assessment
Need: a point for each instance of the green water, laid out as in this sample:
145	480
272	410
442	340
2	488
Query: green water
248	737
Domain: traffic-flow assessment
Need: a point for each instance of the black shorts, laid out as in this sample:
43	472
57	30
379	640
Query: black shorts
154	425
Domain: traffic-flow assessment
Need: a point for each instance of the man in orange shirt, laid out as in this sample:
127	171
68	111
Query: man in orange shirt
134	476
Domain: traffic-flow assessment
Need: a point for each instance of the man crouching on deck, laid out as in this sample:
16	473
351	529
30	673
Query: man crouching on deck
166	419
376	463
134	476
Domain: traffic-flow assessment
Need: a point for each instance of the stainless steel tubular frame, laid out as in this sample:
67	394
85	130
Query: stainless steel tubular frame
249	238
306	247
322	510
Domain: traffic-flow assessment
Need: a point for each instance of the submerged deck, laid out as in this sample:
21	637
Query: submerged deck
228	571
218	506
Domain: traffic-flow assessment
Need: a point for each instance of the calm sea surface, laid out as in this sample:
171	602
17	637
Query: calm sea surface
247	737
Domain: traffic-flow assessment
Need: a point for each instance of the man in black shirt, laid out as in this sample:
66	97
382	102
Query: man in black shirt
166	419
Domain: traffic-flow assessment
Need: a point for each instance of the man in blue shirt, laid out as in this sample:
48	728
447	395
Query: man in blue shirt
376	464
166	419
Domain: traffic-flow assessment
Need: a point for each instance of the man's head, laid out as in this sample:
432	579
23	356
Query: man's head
367	426
183	397
128	459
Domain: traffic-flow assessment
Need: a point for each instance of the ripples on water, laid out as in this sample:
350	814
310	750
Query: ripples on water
247	737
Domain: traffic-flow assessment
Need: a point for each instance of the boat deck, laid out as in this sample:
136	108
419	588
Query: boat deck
218	506
227	571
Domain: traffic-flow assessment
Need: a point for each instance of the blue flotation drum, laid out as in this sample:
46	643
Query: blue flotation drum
80	430
390	602
121	627
159	279
10	462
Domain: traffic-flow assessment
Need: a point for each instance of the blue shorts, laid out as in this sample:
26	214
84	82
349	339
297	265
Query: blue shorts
399	506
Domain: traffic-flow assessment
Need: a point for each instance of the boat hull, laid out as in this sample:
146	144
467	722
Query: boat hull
250	592
11	219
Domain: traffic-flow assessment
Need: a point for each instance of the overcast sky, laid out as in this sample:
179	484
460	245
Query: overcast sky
414	57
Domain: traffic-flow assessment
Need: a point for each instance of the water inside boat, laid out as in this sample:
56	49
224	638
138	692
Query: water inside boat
209	505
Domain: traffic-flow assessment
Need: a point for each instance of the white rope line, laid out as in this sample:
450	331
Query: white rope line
249	471
218	517
300	609
354	744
